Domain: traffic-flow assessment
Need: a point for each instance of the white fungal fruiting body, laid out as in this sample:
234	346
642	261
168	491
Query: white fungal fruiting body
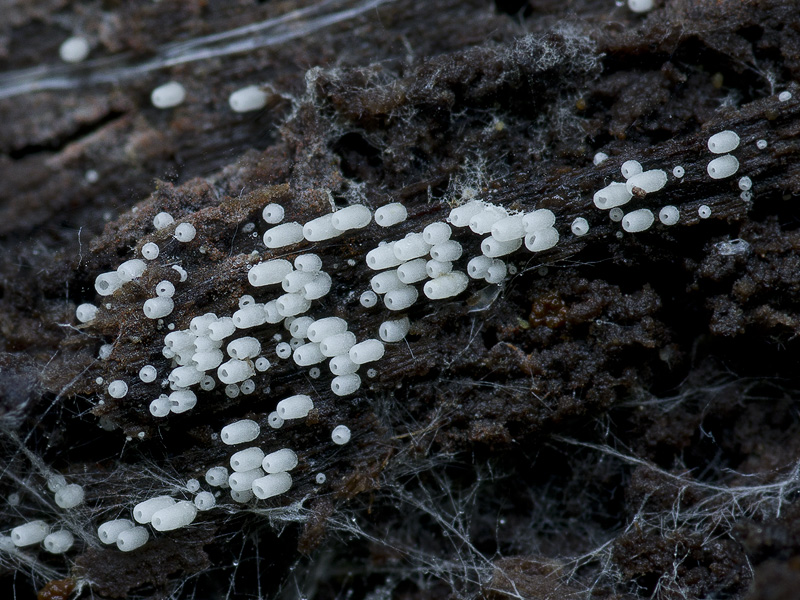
273	213
250	316
74	49
248	99
640	6
241	496
401	299
391	214
482	222
109	531
630	168
185	376
295	407
217	476
344	385
383	257
320	229
148	374
160	406
234	371
56	482
205	501
271	485
274	419
221	329
446	251
538	220
541	240
168	95
176	516
367	351
299	327
131	269
322	328
342	365
436	233
461	215
317	287
150	251
279	461
638	220
86	312
784	96
614	194
436	268
368	299
413	270
723	167
704	211
478	266
269	272
308	354
334	345
761	144
181	401
106	284
355	216
745	183
27	534
58	542
247	459
340	435
165	289
723	142
132	538
243	348
144	511
669	215
599	158
410	247
185	232
283	235
69	496
647	181
240	432
192	485
162	220
243	481
509	228
158	307
580	226
283	350
208	359
678	171
494	248
386	281
118	389
446	286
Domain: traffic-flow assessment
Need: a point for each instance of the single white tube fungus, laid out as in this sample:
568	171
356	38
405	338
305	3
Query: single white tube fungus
413	270
162	220
410	247
247	459
367	351
461	215
185	232
282	235
234	371
669	215
109	531
394	331
580	226
74	49
274	419
436	268
317	287
355	216
131	269
272	485
385	281
240	432
648	181
132	538
478	266
144	511
158	307
638	220
273	213
342	365
678	171
334	345
205	501
537	220
340	435
391	214
723	142
299	327
509	228
248	99
436	233
630	168
243	481
308	263
497	272
148	374
250	316
283	350
168	95
599	158
222	328
160	406
295	407
322	328
383	257
27	534
185	376
269	272
279	461
181	401
640	6
368	299
106	284
117	389
244	347
704	211
165	289
483	221
745	183
446	251
176	516
723	167
308	354
616	214
494	248
58	542
401	299
86	312
614	194
543	239
343	385
217	476
321	228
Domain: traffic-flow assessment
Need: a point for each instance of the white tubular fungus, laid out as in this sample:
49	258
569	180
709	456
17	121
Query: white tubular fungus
355	216
340	435
243	480
247	387
205	501
308	263
308	354
294	281
240	432
648	182
394	331
106	284
272	485
436	268
368	299
478	266
640	6
176	516
283	235
295	407
401	299
580	226
148	374
179	339
321	228
248	99
412	271
274	419
168	95
320	478
391	214
509	228
723	142
247	459
723	167
74	49
494	248
638	220
279	461
385	281
367	351
679	171
283	350
181	271
614	194
160	406
704	211
162	220
630	168
600	158
497	271
269	272
616	214
241	497
322	328
317	287
271	312
745	183
59	542
234	371
150	251
272	213
383	257
761	144
208	359
784	96
483	221
192	485
222	328
32	532
543	239
342	365
165	289
117	389
185	232
299	327
250	316
436	233
158	307
461	215
109	531
181	401
185	376
410	247
131	269
343	385
56	482
537	220
446	251
669	215
144	511
245	347
69	496
217	476
262	364
86	312
334	345
132	538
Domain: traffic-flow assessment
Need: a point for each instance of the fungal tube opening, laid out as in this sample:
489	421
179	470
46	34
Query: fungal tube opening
340	435
723	142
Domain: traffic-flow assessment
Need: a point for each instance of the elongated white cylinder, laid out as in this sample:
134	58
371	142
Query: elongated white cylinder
342	365
182	401
446	251
269	272
723	167
185	232
242	497
250	316
401	298
410	247
69	496
217	476
334	345
247	459
308	263
279	461
179	339
367	351
446	286
497	272
199	325
295	407
394	331
385	281
317	287
162	220
543	239
494	248
245	347
234	371
205	501
299	327
282	235
344	385
185	376
131	269
723	142
224	327
436	233
165	289
144	511
478	266
158	307
290	305
109	531
242	481
412	271
614	194
483	221
321	228
27	534
669	215
391	214
308	354
273	213
106	284
638	220
272	485
160	406
86	312
648	181
537	220
630	168
322	328
132	538
168	95
248	99
383	257
240	432
176	516
58	542
509	228
355	216
340	435
436	268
